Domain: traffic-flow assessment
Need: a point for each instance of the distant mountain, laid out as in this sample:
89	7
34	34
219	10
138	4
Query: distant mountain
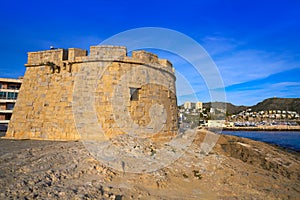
291	104
230	108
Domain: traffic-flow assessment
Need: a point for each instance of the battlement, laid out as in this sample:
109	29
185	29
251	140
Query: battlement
113	52
61	57
40	57
73	53
145	56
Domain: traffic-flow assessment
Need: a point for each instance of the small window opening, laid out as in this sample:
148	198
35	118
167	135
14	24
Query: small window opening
134	94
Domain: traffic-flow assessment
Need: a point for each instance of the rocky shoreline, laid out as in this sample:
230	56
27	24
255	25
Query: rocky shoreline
237	168
264	128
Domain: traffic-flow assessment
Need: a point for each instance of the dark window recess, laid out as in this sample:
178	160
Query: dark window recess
10	106
3	95
134	94
7	116
13	87
65	54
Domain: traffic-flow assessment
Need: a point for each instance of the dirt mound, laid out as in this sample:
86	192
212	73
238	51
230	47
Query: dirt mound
236	168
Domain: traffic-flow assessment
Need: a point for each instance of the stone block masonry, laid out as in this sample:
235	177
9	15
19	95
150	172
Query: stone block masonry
128	94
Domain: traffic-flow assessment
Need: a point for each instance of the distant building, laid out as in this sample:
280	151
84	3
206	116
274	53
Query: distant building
187	105
199	105
216	123
9	89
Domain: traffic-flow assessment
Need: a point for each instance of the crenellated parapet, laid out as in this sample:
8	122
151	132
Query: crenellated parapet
59	60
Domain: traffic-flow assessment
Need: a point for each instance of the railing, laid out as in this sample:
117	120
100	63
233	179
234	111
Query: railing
8	95
8	98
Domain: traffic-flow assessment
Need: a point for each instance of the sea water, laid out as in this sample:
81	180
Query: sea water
286	139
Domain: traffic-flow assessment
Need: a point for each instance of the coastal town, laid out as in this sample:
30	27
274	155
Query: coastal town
195	114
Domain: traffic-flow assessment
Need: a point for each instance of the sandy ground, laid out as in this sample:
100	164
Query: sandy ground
237	168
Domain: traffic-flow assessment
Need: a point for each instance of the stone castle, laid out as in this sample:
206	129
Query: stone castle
66	92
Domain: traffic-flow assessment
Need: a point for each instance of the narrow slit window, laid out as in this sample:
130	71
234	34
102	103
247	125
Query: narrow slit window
134	94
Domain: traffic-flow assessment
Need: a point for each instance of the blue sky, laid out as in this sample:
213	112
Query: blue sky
254	44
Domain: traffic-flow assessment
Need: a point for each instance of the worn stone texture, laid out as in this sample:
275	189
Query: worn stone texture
47	103
237	168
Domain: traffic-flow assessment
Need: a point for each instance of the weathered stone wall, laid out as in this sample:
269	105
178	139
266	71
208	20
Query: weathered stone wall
45	108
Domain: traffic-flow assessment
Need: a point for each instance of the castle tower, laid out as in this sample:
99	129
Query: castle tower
67	93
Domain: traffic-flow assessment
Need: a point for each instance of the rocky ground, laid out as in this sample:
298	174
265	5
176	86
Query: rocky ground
236	168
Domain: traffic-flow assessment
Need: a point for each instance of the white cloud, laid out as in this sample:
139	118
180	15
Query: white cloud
248	97
216	45
238	65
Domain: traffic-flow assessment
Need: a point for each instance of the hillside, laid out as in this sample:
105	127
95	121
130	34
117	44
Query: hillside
292	104
230	108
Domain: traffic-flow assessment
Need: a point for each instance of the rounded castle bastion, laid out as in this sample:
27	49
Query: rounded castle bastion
66	93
